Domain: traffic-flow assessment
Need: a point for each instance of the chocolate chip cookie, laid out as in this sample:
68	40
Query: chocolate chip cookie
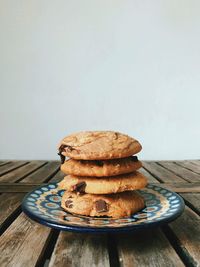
104	185
114	205
98	145
99	168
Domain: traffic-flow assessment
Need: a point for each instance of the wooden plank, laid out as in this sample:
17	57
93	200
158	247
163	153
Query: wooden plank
74	249
179	170
186	235
195	162
21	172
189	165
22	243
182	187
4	162
151	178
146	248
19	187
58	177
9	202
11	166
43	174
161	173
193	199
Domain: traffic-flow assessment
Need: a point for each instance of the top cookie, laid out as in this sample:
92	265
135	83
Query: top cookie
98	145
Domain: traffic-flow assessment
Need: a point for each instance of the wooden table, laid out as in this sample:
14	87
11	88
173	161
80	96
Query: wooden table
23	242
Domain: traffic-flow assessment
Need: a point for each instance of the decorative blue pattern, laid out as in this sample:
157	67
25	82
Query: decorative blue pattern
43	206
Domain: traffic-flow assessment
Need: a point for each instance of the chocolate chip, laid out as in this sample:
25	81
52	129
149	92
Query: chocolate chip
134	158
98	162
69	203
116	135
101	205
62	157
80	187
63	148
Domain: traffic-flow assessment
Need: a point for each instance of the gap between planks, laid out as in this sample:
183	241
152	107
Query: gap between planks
10	208
74	249
190	165
23	242
4	163
178	170
161	173
11	166
147	247
20	173
184	235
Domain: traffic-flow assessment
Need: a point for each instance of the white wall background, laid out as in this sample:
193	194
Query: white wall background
131	66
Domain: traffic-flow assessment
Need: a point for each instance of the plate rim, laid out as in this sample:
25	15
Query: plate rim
91	229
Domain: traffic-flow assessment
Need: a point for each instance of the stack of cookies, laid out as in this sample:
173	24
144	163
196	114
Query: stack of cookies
101	174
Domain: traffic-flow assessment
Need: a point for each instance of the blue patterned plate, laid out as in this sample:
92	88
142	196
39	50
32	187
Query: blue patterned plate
43	206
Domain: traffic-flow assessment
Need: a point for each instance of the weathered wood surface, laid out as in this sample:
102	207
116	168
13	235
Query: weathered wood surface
151	178
82	250
11	166
2	162
21	172
26	243
162	174
193	200
186	174
22	243
182	187
57	177
186	235
42	174
8	204
146	248
190	165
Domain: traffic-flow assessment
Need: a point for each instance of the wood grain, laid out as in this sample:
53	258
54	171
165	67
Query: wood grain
57	177
43	174
151	178
181	187
161	173
186	229
183	172
22	243
196	162
193	199
8	204
11	166
81	250
22	172
146	248
190	165
4	162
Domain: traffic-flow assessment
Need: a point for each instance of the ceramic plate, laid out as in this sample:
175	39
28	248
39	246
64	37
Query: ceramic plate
43	206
